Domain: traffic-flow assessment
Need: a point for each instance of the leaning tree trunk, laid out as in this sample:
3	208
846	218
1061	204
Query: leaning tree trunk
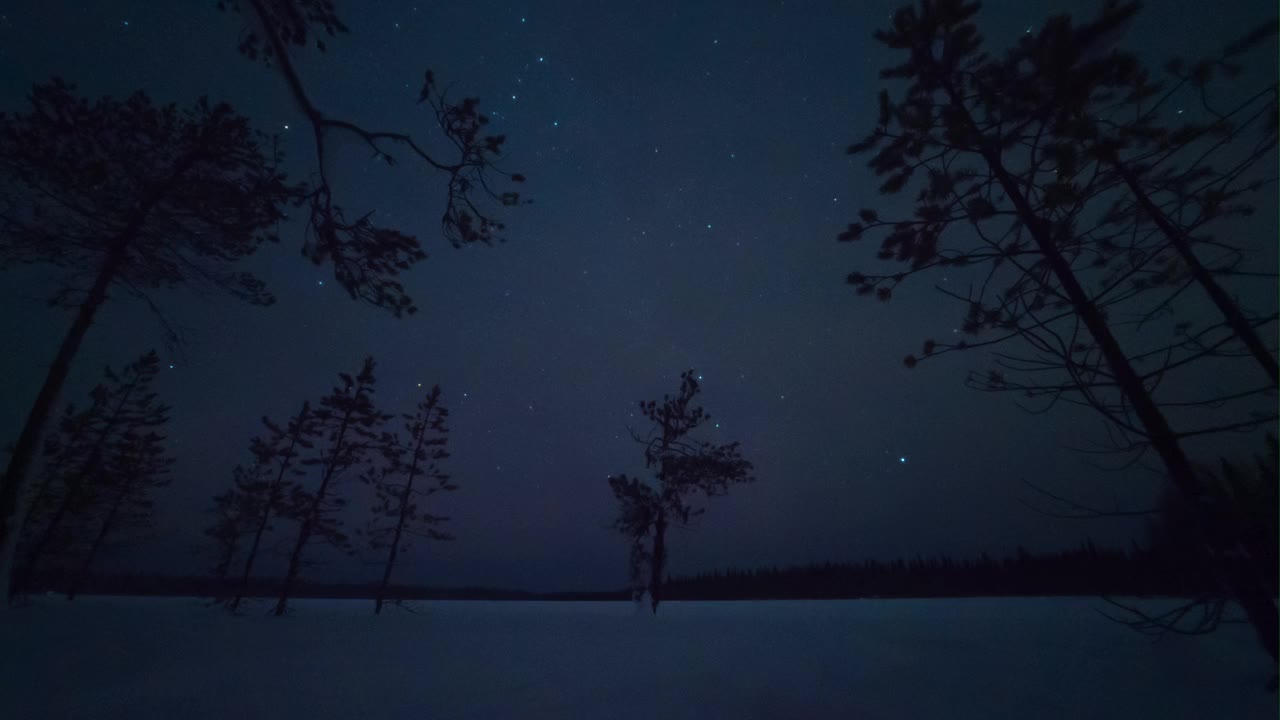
396	541
272	500
107	525
309	523
391	562
19	470
1258	605
1231	313
659	560
75	489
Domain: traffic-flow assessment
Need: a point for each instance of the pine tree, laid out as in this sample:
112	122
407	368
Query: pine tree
138	197
77	460
411	475
346	430
685	469
1056	278
276	469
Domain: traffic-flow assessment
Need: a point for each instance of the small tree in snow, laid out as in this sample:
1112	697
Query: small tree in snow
684	470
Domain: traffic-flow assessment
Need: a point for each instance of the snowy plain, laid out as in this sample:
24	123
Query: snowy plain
138	658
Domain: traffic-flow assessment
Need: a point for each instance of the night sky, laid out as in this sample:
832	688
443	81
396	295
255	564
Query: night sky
688	170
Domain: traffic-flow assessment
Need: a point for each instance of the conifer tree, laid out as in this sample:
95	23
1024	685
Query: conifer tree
686	472
346	430
100	448
138	197
410	476
994	146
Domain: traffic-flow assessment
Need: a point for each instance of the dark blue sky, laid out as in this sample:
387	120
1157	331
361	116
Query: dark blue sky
689	174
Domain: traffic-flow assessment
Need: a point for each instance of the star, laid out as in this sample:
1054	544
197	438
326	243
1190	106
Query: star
902	459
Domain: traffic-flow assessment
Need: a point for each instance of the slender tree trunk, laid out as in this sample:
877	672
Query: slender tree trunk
386	572
28	569
312	517
659	562
1235	319
272	499
19	469
1249	592
243	586
395	547
400	522
75	488
295	558
107	524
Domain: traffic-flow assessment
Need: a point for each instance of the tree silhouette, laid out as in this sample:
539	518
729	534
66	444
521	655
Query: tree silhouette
142	197
104	457
262	493
685	470
402	486
346	429
995	139
368	258
1244	502
137	197
62	490
135	464
234	514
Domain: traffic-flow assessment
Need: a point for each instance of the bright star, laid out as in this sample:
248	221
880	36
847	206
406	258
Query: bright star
902	459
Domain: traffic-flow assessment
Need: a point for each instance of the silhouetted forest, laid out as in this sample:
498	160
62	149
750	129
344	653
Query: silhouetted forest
1083	570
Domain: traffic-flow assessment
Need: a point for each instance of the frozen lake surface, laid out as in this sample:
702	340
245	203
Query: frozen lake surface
104	657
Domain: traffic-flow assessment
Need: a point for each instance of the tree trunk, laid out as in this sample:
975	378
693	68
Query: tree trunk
272	500
659	561
1235	319
1249	592
17	474
395	540
107	524
75	489
313	514
395	548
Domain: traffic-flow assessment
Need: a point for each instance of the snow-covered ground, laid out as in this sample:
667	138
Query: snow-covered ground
102	657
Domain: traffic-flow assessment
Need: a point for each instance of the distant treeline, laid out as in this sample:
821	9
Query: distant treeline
212	587
1084	570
